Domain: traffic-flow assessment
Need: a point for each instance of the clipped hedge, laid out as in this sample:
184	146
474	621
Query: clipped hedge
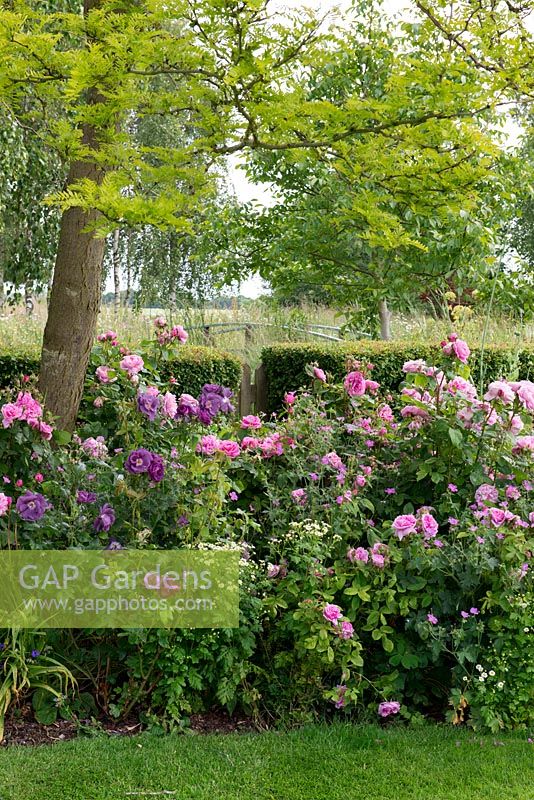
195	366
285	363
192	368
13	367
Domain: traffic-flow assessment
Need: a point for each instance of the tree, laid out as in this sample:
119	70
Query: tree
232	73
28	228
381	218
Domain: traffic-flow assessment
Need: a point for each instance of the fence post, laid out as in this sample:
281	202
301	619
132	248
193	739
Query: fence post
260	384
208	340
245	391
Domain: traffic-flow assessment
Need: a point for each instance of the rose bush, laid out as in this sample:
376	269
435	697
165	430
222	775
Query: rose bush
386	541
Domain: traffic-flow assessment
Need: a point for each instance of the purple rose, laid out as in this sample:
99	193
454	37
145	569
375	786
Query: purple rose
85	497
31	506
387	708
215	398
211	402
148	404
204	416
138	461
105	519
156	470
187	406
114	544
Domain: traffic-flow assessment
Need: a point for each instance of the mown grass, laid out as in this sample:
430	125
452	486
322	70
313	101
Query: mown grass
339	762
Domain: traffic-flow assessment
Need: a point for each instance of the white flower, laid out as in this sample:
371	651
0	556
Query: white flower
526	630
481	679
465	678
479	667
492	673
500	685
484	675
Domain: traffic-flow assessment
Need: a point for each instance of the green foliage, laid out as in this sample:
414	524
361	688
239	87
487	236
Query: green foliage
25	669
14	367
191	368
285	364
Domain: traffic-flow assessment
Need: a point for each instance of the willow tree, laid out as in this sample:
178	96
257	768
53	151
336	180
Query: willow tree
234	74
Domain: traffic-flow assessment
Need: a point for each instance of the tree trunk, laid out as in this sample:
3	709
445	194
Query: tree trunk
75	295
385	320
128	269
116	270
2	295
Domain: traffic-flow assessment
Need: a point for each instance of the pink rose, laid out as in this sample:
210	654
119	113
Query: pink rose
498	516
319	374
354	384
358	554
10	413
458	384
378	560
486	492
332	613
500	390
347	630
249	442
429	526
160	322
251	421
525	393
5	503
457	347
102	373
414	366
169	406
299	496
229	448
289	398
524	443
132	364
208	445
404	525
415	411
179	333
45	430
387	708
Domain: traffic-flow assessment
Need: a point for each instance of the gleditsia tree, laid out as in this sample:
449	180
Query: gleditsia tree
227	72
385	216
234	74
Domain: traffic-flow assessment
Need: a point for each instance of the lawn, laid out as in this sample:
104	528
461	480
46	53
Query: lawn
340	762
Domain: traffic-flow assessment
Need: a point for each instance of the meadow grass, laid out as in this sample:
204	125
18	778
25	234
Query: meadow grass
337	762
20	334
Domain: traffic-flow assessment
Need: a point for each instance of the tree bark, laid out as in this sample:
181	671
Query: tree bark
75	295
128	269
116	270
385	320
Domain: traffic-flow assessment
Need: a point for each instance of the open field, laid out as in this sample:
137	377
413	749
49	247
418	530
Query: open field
340	762
20	334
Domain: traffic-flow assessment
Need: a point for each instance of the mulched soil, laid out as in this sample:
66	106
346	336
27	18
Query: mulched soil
24	730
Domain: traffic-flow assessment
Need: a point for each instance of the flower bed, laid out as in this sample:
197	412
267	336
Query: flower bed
385	540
